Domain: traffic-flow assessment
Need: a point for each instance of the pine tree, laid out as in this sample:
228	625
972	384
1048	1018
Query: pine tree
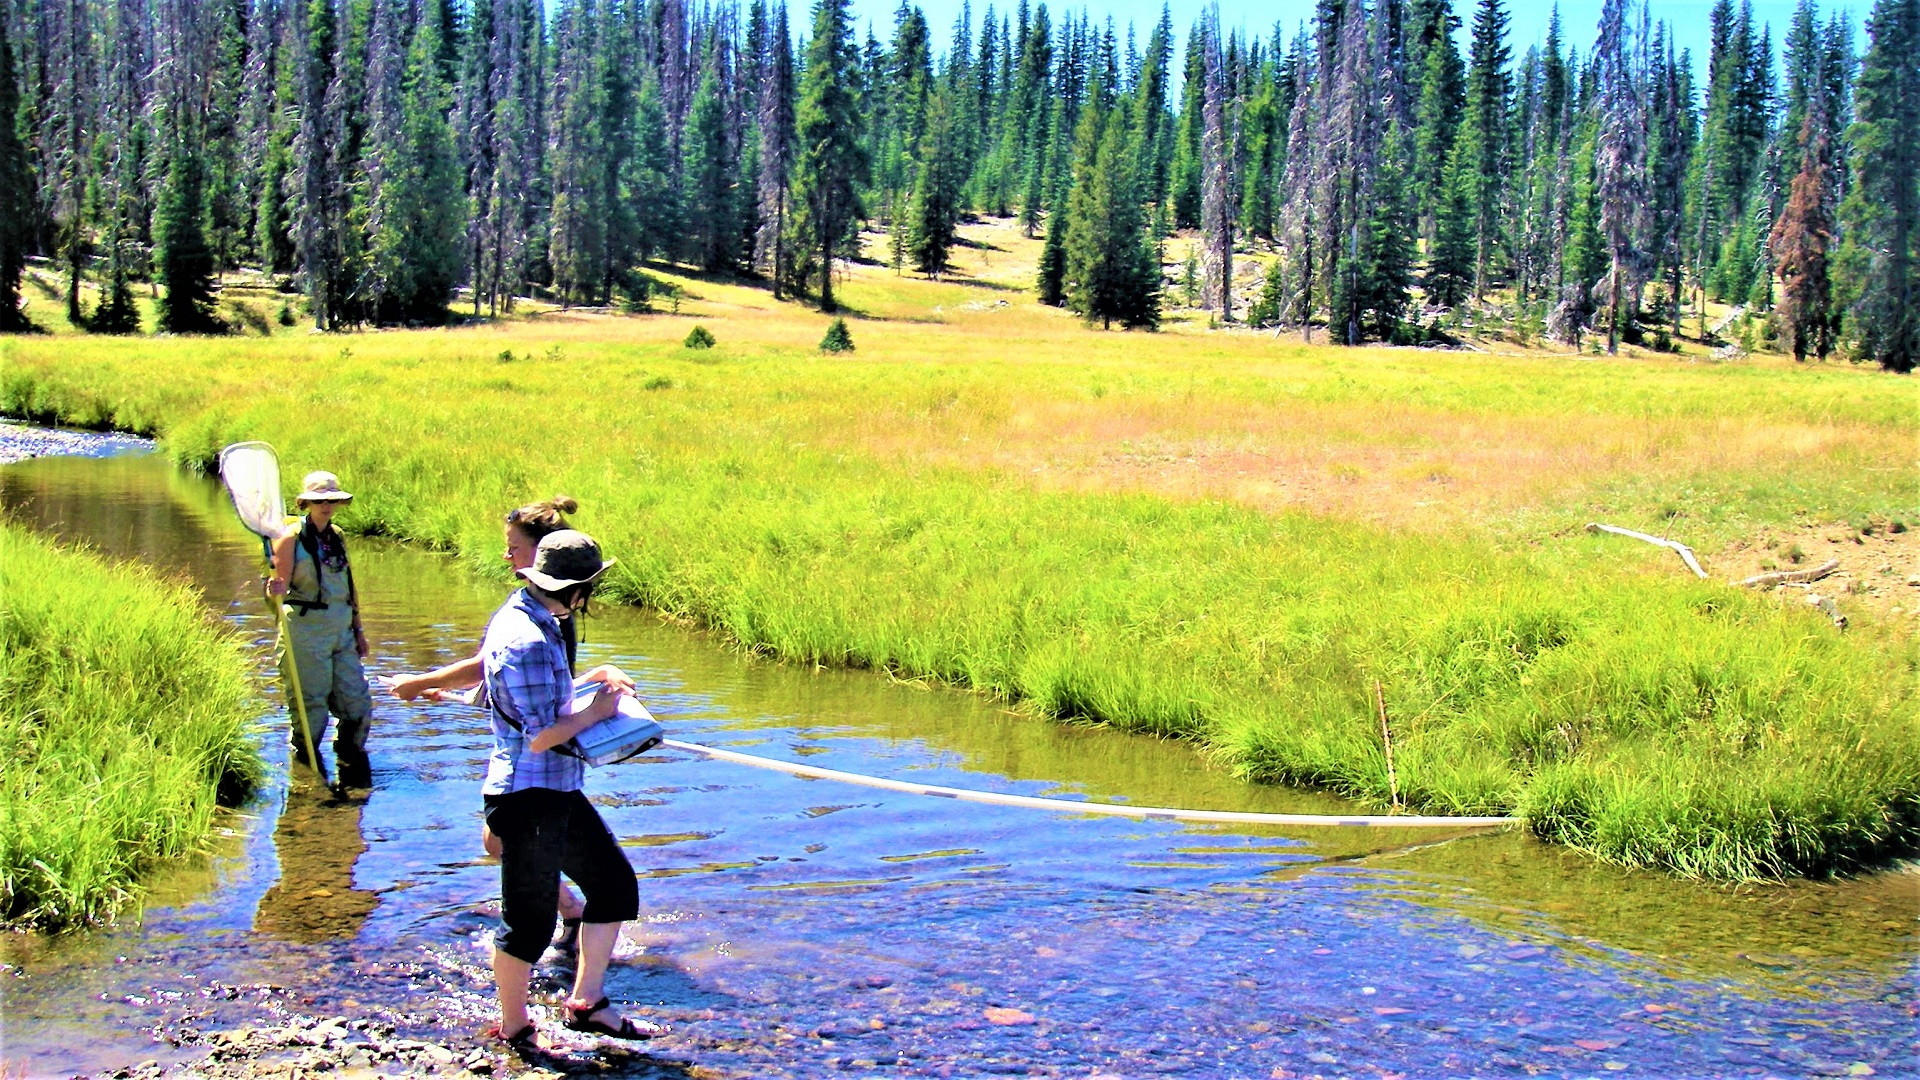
417	217
229	209
385	156
709	171
1801	239
1619	166
775	124
1671	135
122	164
1112	267
934	210
1029	116
15	196
1298	225
619	63
1189	135
832	163
1384	277
1881	215
577	231
321	208
1584	259
648	183
1441	103
1051	280
280	78
1448	279
1152	125
65	134
1482	146
1269	308
184	259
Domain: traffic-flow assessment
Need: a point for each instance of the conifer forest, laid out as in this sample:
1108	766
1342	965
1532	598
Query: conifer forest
1397	167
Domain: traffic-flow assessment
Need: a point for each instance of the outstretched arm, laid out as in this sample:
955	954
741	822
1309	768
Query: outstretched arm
459	675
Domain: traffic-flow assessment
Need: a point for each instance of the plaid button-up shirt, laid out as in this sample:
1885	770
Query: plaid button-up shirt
526	675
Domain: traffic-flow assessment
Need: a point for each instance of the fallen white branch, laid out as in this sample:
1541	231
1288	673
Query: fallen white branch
1686	553
1785	577
1827	605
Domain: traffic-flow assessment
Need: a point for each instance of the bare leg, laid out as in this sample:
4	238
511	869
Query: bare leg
596	949
510	975
590	971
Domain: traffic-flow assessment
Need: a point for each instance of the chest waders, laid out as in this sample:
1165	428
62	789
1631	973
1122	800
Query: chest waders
282	650
322	658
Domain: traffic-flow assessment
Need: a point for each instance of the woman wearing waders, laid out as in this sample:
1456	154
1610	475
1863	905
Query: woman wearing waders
323	627
533	799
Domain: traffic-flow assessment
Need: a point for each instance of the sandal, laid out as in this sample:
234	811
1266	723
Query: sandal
522	1040
581	1019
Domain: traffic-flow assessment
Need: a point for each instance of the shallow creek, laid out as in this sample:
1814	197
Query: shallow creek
802	928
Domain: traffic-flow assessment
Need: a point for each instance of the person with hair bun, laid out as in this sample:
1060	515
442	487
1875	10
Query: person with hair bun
525	527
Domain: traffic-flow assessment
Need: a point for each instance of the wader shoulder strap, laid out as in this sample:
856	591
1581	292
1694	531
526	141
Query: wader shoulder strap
310	541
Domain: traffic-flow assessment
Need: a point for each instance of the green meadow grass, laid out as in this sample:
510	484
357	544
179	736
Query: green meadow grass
124	715
860	512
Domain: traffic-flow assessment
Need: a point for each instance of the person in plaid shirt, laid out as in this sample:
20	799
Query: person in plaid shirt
533	799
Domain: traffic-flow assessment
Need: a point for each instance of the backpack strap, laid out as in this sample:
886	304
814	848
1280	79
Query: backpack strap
493	703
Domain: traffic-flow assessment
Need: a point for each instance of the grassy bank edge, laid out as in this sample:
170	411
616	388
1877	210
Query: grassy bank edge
125	721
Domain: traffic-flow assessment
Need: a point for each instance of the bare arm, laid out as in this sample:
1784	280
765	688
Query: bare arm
601	707
459	675
282	563
612	677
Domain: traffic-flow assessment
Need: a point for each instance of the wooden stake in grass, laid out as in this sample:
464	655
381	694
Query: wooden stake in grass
1386	740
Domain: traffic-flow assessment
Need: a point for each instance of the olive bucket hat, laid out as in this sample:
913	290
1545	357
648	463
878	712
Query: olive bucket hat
564	559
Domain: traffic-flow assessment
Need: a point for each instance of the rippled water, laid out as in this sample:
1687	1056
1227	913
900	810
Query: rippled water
803	928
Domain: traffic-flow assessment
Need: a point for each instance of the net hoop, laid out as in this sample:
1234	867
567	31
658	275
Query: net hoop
250	471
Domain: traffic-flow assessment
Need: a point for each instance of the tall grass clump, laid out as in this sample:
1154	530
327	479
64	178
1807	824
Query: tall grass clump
124	715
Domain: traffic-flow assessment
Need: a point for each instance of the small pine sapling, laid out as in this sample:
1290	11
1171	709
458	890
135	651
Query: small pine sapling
838	339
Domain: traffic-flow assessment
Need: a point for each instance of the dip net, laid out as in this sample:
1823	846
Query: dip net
251	473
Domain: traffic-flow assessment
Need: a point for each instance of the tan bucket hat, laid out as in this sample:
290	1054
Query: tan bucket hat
321	486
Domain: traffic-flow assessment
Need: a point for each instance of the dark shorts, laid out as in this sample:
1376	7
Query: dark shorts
543	834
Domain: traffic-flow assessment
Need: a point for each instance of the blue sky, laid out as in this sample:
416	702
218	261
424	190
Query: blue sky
1689	18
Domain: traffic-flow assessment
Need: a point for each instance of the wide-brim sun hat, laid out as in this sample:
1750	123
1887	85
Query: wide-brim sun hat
564	559
321	486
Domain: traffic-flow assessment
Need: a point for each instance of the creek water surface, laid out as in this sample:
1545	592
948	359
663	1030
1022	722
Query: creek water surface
802	928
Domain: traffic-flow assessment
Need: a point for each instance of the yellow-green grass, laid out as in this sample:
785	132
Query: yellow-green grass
124	714
994	496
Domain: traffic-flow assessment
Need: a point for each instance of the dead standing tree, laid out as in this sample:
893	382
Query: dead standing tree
1217	182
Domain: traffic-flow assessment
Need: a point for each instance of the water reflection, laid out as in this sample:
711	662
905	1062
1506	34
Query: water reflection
317	841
